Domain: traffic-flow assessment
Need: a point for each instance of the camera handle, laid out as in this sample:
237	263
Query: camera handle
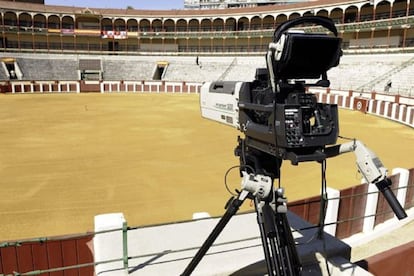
319	20
372	169
278	244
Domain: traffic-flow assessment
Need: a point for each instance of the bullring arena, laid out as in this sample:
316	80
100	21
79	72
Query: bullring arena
92	124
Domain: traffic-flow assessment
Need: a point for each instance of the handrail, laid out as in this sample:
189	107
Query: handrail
387	75
82	265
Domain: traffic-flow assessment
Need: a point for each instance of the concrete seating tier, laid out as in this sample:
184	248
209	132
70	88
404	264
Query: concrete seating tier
362	72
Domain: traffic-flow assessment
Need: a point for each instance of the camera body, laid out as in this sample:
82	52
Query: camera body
275	112
302	122
293	126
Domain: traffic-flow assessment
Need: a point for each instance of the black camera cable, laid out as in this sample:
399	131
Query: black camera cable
228	171
323	206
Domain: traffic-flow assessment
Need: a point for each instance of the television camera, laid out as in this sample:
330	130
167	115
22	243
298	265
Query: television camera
274	111
282	121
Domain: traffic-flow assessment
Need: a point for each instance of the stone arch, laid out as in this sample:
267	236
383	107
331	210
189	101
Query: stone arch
337	15
193	25
119	24
294	15
383	10
144	25
308	13
351	14
181	25
256	23
157	25
169	25
269	22
68	22
132	25
367	12
218	25
243	24
39	21
399	8
231	24
206	25
323	12
53	22
106	24
25	20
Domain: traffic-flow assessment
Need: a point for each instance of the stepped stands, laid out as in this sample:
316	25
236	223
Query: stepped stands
48	68
186	69
214	68
363	72
401	81
356	75
178	71
3	74
90	64
128	68
35	69
244	69
178	68
371	72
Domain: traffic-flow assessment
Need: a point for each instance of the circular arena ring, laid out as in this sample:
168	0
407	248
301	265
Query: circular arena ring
99	114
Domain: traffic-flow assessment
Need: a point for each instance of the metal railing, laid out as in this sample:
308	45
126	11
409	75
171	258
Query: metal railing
194	34
125	258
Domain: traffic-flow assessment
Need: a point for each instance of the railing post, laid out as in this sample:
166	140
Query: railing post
125	243
402	185
332	211
109	243
370	208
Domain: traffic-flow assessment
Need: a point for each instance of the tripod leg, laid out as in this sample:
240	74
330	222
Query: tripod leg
289	255
231	210
263	235
287	243
281	258
275	240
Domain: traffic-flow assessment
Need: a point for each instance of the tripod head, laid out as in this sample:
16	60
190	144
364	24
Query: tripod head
260	186
257	161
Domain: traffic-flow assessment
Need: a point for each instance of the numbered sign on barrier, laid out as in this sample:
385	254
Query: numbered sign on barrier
361	104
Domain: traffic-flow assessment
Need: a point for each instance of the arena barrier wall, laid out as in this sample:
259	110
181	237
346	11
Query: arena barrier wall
390	262
355	215
358	209
149	87
100	86
44	86
47	256
394	107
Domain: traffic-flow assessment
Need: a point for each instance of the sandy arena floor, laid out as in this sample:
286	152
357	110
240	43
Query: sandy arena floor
66	158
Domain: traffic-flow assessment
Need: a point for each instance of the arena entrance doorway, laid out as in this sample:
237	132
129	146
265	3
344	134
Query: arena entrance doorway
160	70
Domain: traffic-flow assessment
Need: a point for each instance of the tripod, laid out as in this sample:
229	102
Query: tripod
278	244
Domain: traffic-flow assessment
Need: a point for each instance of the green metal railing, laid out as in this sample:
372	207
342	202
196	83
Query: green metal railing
125	258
